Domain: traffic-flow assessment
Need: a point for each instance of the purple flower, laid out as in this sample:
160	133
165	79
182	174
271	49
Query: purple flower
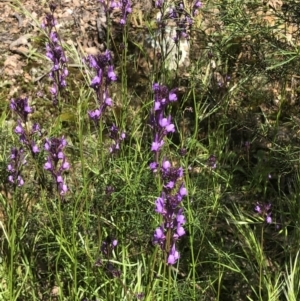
159	236
153	166
159	4
157	145
269	218
160	203
48	164
19	129
258	208
180	217
111	74
166	124
173	255
94	115
197	5
182	191
108	245
34	148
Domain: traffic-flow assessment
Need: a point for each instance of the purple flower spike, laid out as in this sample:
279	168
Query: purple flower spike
168	204
107	247
117	136
15	166
56	55
21	107
160	124
56	162
104	76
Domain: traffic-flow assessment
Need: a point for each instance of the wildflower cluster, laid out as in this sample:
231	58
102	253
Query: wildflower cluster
55	53
56	162
173	191
105	75
27	136
264	210
117	136
14	168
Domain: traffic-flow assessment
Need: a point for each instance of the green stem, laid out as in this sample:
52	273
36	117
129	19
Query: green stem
12	242
261	262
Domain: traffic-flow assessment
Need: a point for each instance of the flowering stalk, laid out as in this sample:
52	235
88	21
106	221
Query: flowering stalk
56	162
161	124
107	249
173	190
168	206
15	208
14	168
183	19
26	135
55	53
264	210
105	75
174	23
117	136
124	6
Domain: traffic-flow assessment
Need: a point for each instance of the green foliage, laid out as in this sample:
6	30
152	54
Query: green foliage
238	101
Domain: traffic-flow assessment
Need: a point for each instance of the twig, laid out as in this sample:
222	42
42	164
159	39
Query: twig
19	18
